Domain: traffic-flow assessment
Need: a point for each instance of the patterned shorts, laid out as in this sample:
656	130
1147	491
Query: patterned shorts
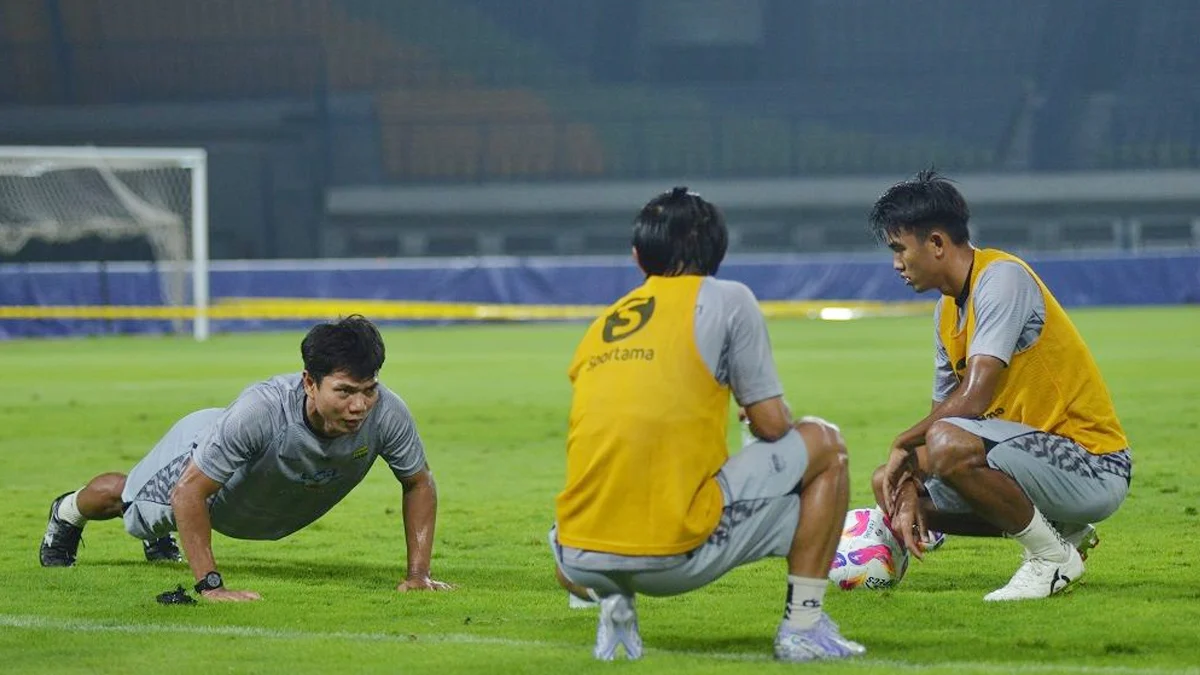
761	486
1066	482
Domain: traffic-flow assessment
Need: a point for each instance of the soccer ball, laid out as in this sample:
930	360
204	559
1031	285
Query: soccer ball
868	555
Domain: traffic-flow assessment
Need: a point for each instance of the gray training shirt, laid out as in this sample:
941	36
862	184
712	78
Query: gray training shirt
1009	315
731	335
278	476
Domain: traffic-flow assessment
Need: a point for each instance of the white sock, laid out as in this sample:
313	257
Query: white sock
68	510
1042	540
804	600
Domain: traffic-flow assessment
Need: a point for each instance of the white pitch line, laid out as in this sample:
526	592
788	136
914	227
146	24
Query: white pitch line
76	625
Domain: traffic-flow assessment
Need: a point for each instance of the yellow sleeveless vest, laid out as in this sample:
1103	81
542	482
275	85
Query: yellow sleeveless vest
647	429
1054	385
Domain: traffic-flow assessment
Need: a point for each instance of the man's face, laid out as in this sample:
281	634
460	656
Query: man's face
341	401
918	261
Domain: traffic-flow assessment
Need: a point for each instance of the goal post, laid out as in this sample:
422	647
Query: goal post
60	194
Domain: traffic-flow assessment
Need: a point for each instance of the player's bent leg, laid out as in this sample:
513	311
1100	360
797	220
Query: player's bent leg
824	498
806	632
617	625
1071	486
100	499
960	458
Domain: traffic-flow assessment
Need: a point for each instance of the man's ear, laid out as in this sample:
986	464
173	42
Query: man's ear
937	240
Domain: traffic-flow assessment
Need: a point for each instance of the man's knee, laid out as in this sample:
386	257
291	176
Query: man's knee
826	447
953	450
108	484
101	497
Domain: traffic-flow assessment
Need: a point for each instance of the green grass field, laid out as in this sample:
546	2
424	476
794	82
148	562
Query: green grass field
491	402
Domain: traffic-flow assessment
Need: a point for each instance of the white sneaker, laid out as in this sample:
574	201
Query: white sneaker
1040	578
618	627
823	641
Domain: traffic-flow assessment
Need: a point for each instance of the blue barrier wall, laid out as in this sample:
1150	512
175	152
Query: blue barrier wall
1146	279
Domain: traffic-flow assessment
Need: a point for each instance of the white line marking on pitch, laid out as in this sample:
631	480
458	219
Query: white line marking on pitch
75	625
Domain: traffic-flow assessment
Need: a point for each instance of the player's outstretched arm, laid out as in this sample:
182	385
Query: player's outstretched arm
189	500
420	517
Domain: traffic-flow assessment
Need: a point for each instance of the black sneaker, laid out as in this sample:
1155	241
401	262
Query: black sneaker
162	549
61	542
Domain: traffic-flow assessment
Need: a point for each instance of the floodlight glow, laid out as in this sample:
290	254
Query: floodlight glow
837	313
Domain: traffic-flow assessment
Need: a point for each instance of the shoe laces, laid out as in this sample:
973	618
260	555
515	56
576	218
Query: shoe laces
1032	569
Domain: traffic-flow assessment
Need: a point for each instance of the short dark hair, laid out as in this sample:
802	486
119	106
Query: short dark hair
352	344
919	205
678	232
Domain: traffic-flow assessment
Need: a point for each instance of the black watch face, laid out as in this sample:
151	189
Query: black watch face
212	580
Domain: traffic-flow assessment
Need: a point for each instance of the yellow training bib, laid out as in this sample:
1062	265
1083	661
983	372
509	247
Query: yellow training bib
647	429
1054	385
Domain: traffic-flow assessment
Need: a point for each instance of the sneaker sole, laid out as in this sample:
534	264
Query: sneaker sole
1068	588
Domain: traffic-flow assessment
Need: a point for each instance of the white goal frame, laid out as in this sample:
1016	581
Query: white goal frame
195	160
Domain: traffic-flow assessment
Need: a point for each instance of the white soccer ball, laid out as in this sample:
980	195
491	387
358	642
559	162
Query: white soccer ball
868	555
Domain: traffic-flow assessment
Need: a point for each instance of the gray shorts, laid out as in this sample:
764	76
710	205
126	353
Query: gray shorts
1067	483
761	486
147	493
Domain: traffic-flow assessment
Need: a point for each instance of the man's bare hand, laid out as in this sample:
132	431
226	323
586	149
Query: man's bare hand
226	595
906	519
423	583
900	462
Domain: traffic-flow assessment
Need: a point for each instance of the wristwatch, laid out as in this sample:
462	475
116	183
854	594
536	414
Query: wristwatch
210	582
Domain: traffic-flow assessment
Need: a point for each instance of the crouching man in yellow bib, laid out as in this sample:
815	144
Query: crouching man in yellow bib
653	502
1023	440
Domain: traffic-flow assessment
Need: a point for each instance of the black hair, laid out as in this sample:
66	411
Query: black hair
927	201
353	345
678	232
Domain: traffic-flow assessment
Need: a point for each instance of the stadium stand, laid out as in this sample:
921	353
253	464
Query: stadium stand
471	90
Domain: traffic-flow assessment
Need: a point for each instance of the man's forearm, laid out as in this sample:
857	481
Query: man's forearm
195	531
420	517
957	404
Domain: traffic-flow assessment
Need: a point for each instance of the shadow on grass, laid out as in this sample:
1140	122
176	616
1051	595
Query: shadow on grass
706	644
286	570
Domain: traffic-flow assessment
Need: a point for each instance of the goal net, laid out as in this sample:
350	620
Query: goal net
61	195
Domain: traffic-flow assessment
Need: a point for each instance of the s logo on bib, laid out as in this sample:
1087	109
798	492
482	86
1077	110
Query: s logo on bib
627	319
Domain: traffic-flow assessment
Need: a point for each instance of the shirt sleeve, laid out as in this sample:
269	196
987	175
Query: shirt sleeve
1005	299
752	373
944	381
239	436
402	447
